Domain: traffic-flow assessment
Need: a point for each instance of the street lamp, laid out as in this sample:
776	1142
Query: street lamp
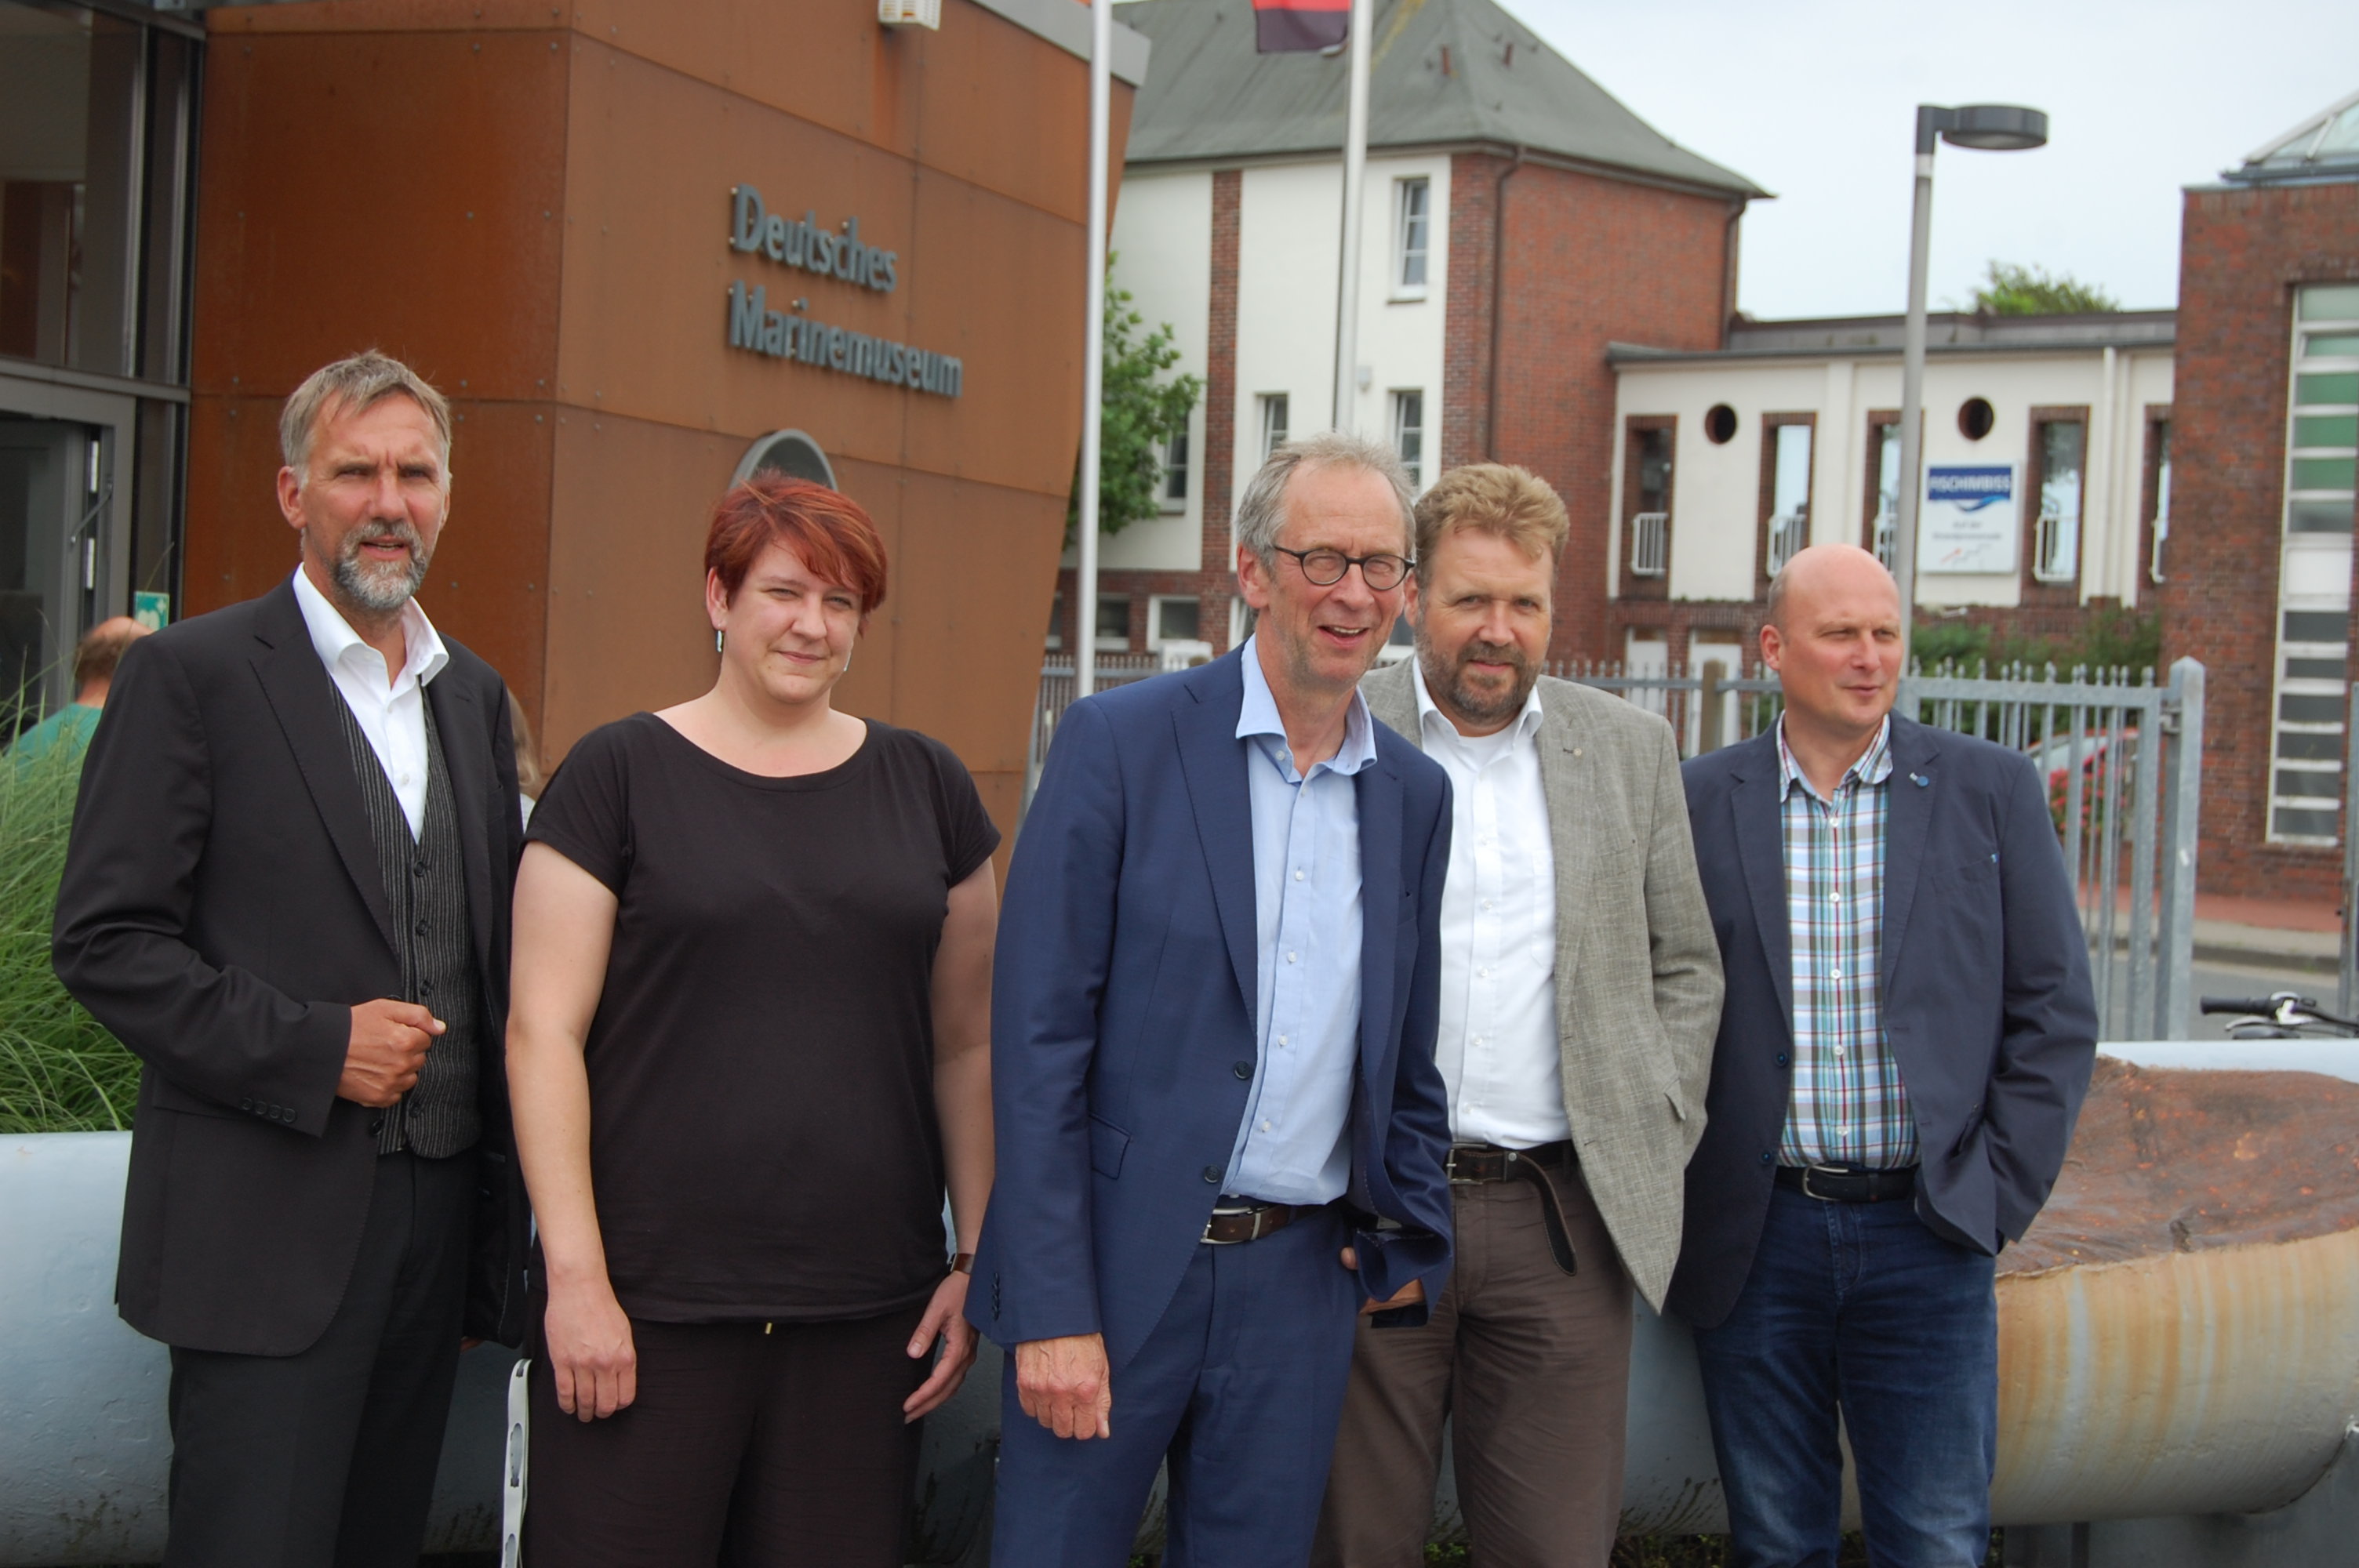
1991	127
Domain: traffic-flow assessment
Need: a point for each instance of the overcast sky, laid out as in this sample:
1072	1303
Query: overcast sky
1815	100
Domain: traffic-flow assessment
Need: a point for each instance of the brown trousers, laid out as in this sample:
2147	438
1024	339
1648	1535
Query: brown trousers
1532	1366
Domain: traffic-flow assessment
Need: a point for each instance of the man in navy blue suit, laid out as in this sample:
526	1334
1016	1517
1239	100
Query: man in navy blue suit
1907	1034
1221	1130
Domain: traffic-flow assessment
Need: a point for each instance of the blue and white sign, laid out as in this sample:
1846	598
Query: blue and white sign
1970	522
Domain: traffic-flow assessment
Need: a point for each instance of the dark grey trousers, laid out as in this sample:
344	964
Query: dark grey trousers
327	1458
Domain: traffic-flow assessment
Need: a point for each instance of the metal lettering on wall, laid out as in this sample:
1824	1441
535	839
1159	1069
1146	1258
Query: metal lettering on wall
801	244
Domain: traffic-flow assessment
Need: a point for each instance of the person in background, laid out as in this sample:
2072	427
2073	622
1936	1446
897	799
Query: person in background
1580	990
1220	1128
1908	1033
750	1049
286	890
94	660
531	777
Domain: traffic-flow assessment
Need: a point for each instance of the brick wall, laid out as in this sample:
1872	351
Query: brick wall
2241	252
1589	260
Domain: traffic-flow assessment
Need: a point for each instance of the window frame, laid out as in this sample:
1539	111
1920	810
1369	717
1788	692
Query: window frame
1879	421
1177	455
1634	428
1402	289
1155	639
1272	436
1402	399
2036	589
1770	424
1105	643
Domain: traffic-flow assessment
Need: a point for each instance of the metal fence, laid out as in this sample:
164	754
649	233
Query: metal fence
2120	755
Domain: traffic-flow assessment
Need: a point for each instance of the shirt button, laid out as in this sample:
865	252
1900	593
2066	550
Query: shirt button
1765	1156
1298	876
1242	1069
1212	1173
1781	1058
1481	974
1476	1041
1265	1127
421	929
1290	958
1281	1039
1486	903
1835	898
1838	973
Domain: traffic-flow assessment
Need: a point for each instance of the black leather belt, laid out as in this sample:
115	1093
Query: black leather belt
1834	1184
1473	1164
1234	1220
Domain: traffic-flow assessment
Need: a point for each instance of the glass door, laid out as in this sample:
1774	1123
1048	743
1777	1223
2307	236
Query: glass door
55	506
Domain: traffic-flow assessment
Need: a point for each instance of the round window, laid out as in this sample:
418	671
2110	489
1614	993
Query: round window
1975	418
788	452
1720	423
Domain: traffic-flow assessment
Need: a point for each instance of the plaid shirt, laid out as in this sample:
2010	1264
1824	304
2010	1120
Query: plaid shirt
1849	1105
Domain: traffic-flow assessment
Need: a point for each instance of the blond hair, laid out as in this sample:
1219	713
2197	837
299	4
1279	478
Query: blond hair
1513	503
356	384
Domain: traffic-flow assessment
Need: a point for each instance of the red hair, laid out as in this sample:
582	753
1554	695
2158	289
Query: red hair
826	530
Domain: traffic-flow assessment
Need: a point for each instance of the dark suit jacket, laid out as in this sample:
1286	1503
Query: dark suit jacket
1123	1005
221	912
1984	986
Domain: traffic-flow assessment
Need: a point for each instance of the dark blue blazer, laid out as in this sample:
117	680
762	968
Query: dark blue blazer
1984	986
1123	1006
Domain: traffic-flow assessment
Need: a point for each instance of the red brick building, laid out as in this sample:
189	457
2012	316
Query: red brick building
2258	564
1516	220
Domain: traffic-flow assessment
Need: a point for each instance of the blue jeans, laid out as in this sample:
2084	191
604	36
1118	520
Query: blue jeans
1856	1306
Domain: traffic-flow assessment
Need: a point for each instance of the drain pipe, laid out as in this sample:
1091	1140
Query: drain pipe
1498	299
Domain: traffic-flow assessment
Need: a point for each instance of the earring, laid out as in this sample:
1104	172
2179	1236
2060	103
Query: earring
716	640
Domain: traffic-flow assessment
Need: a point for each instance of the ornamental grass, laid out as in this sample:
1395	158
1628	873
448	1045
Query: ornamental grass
59	1070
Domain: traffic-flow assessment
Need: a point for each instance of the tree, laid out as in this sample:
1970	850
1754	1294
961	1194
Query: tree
1138	415
2011	290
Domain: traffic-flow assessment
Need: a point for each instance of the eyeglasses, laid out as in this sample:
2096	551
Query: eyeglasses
1325	569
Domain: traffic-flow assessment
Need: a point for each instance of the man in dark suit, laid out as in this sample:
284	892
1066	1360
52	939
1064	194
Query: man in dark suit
286	890
1907	1034
1220	1126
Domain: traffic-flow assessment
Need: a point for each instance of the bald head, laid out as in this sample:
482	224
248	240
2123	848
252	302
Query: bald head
1821	571
95	656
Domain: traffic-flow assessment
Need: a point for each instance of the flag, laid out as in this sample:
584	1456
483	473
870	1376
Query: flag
1283	27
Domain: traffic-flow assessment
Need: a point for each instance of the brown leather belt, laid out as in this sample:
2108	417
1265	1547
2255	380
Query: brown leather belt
1473	1164
1232	1222
1834	1184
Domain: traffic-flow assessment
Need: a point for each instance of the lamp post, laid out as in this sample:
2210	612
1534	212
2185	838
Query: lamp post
1085	565
1991	127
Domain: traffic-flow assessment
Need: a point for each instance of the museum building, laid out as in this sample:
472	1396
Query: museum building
644	245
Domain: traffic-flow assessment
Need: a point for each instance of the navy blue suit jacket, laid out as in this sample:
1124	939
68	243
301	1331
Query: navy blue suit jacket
1123	1008
1985	993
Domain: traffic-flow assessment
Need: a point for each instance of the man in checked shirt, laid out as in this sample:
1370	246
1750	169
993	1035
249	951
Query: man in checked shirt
1907	1034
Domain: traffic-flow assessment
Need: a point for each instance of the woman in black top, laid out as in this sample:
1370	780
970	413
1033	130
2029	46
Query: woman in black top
748	1051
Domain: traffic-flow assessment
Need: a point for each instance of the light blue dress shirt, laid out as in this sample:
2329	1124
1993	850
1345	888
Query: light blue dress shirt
1292	1146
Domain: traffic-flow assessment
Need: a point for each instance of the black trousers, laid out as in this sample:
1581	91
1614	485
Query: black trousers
755	1445
328	1457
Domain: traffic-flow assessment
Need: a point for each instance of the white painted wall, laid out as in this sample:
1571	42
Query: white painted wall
1716	489
1162	246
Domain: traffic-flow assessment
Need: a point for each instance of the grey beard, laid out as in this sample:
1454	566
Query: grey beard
381	589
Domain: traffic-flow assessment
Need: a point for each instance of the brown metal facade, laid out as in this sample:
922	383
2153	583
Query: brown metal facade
531	204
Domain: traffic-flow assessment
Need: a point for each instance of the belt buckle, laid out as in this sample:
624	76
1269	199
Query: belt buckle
1256	1209
1815	1169
1504	1158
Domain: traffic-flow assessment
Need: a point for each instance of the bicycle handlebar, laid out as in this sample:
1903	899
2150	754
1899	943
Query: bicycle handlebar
2260	1006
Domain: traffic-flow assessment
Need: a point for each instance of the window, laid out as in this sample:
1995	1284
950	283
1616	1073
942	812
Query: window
1057	621
1408	435
1175	473
1114	622
2158	511
2321	491
1650	521
2060	445
1174	621
1273	423
1785	454
1883	484
1412	222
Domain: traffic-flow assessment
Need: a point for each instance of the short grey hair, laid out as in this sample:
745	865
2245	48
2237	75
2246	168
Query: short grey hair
358	383
1262	511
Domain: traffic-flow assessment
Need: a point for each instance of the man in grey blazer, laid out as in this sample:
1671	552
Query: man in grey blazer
1580	990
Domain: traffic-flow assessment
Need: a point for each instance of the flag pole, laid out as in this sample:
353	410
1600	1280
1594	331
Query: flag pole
1085	573
1355	165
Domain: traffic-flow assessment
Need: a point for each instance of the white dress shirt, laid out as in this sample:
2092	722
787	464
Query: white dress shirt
392	712
1497	1045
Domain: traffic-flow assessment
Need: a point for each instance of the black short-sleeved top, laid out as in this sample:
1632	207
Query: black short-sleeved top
763	1142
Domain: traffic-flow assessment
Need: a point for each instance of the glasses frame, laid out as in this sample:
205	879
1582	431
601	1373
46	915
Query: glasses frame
1302	559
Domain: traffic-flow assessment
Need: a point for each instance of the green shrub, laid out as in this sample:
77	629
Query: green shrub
59	1071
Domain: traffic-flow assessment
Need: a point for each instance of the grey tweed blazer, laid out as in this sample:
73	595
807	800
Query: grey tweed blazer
1637	968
